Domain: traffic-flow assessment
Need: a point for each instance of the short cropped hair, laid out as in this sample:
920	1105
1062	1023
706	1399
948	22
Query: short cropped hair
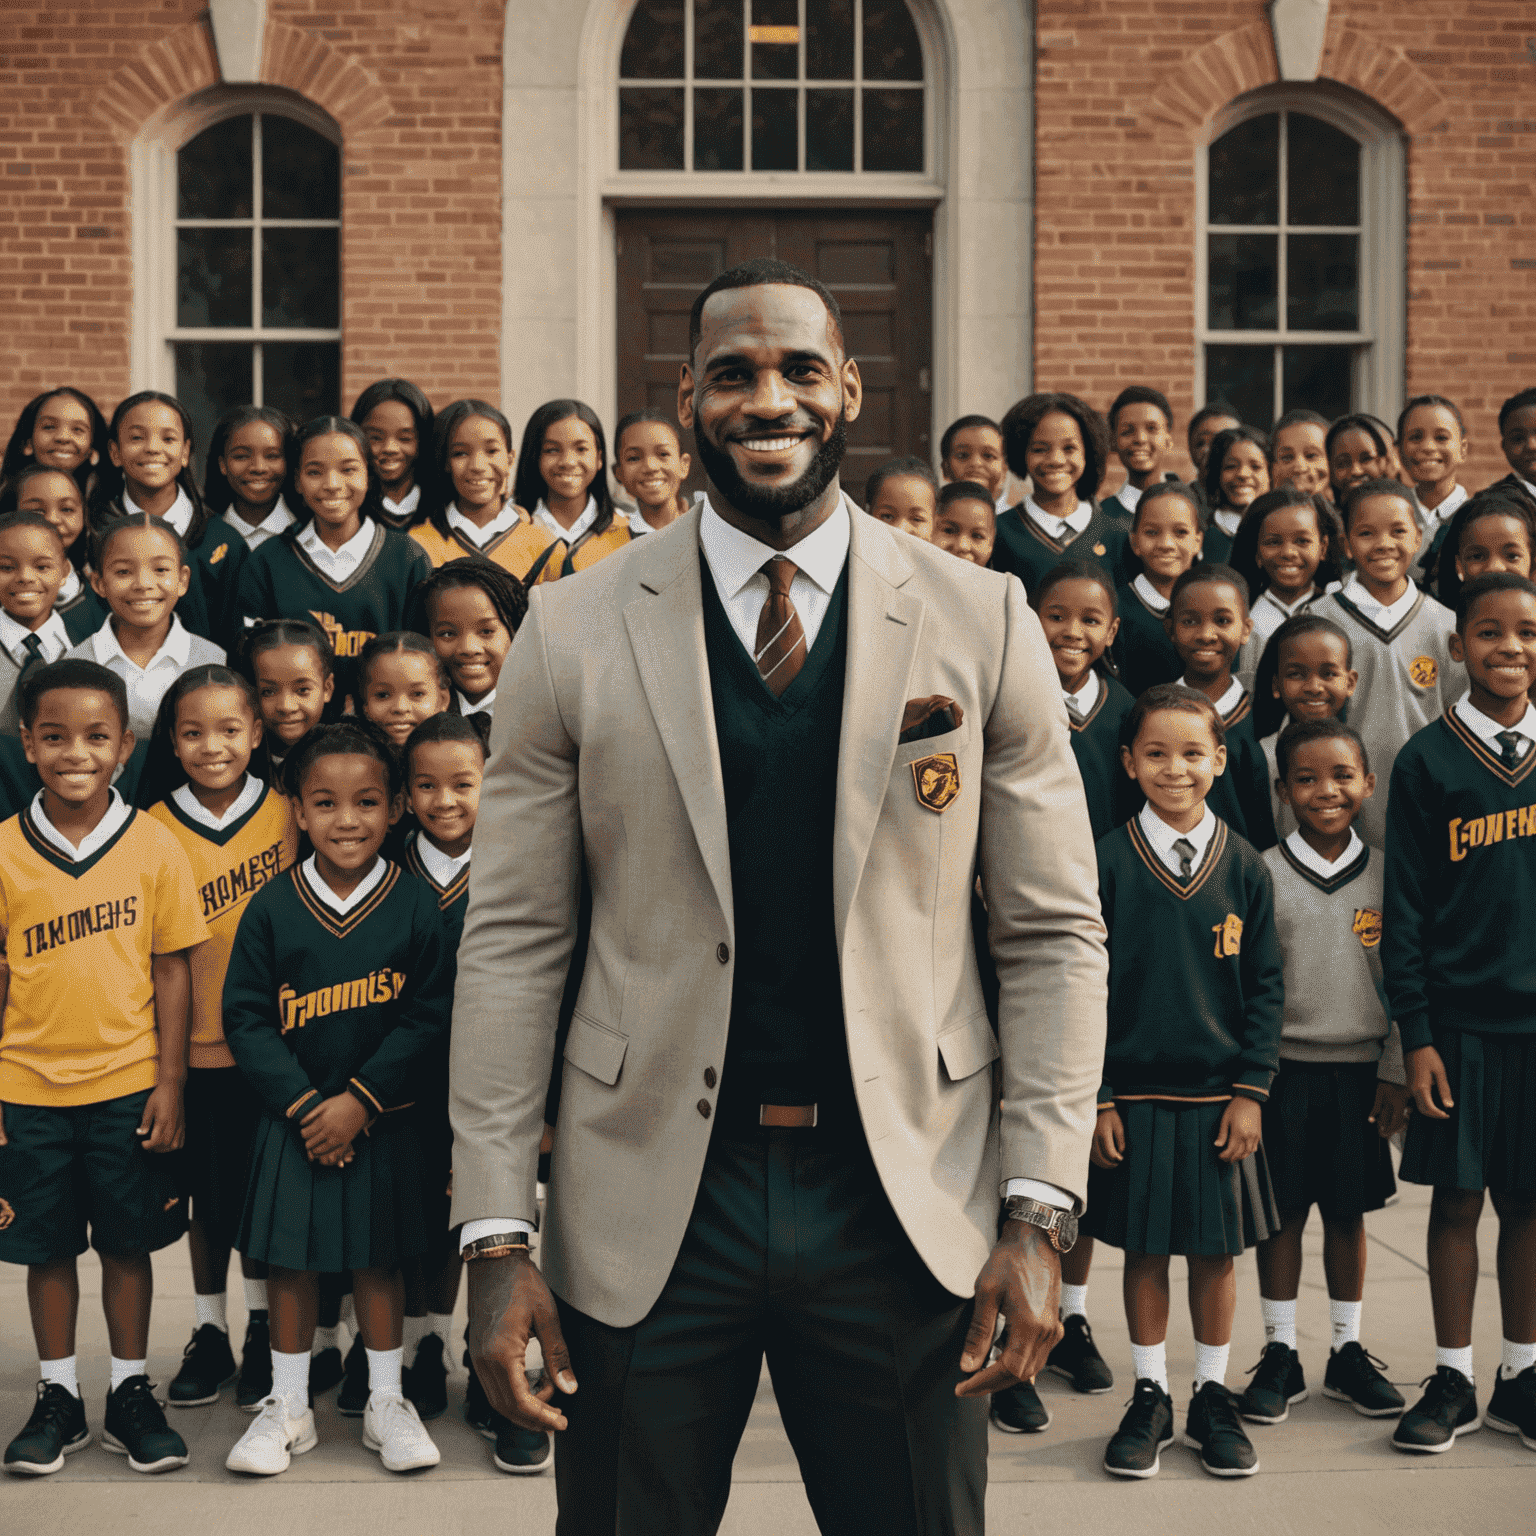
1141	394
1179	699
1516	402
72	672
1487	586
1380	486
1299	732
759	273
1203	572
967	490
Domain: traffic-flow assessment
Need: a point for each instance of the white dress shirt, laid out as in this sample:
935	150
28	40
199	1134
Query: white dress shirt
503	522
487	705
1530	490
250	795
341	905
1227	520
1149	594
1306	854
338	564
51	635
118	811
257	534
406	505
1487	729
1227	702
1381	615
443	869
1129	496
179	515
1430	518
1058	527
1162	837
1081	703
71	588
546	519
148	684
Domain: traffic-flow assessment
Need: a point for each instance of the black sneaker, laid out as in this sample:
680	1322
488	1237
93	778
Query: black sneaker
1512	1408
1214	1428
478	1413
1447	1409
1355	1376
56	1429
425	1381
207	1363
1277	1383
1019	1411
135	1427
353	1397
522	1452
1077	1358
325	1371
1135	1449
255	1381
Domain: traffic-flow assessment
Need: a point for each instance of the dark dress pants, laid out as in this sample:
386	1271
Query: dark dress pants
792	1252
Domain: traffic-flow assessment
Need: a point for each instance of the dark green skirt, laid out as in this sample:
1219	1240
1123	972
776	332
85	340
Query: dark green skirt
1489	1142
1173	1194
1320	1144
368	1215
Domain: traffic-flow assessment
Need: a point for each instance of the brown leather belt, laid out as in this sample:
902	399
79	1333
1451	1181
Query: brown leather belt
787	1117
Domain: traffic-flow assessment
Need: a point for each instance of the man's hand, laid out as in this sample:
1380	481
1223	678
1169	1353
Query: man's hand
1021	1280
1108	1139
1237	1136
332	1126
1428	1083
1390	1111
160	1127
509	1303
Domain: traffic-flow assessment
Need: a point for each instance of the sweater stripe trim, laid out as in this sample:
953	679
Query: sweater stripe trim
1333	882
1082	722
1495	765
74	868
341	927
1148	856
1170	1098
364	566
1387	636
446	894
1240	711
1040	533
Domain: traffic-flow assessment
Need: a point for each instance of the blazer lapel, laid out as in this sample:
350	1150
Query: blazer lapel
666	633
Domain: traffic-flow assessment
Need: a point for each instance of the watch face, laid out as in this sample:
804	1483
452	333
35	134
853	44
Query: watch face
1066	1232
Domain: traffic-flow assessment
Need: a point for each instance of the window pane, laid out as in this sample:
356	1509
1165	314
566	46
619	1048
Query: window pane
774	142
302	378
1245	376
651	129
1322	173
1322	283
775	39
829	130
717	40
716	130
893	129
213	277
891	49
829	40
300	171
298	278
1245	173
211	377
1243	280
213	173
653	45
1319	379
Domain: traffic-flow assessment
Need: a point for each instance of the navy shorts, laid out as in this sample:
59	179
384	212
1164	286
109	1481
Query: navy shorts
79	1176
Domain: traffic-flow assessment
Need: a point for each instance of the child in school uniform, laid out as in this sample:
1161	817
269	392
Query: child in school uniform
339	987
1339	1092
562	483
100	913
470	610
247	468
1461	869
291	667
237	832
650	464
1399	636
1517	439
966	522
32	567
1167	536
1236	475
1141	434
59	429
1495	530
972	449
1360	448
904	495
1196	997
1298	453
396	418
55	497
1204	427
1432	444
400	682
469	509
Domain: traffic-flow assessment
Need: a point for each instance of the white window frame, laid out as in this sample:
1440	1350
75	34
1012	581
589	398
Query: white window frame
1377	372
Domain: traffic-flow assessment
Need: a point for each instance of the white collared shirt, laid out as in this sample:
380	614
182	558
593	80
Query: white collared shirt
1530	490
1081	703
546	519
338	564
1487	729
487	705
71	588
257	534
1149	594
250	795
443	869
1058	527
1382	616
406	505
1227	520
178	515
1306	854
51	635
504	520
1227	702
148	684
341	905
1430	518
118	811
1129	496
1162	837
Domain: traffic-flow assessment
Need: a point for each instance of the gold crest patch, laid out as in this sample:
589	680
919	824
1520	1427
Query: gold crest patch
1098	549
936	779
7	1214
1229	936
1423	670
218	554
1367	927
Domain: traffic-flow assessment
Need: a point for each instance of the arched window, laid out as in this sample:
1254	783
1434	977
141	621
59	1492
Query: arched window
1303	240
771	85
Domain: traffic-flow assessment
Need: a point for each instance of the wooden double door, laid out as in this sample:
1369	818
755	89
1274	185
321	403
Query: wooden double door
878	264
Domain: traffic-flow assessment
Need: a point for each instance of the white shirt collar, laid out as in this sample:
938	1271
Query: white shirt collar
1306	854
274	522
1149	594
341	905
250	795
546	519
736	557
1430	518
1227	702
1081	703
179	515
51	633
1129	496
175	652
406	505
480	537
1381	616
487	705
337	562
1227	520
1487	729
118	811
1290	610
1530	490
1055	526
1163	837
443	869
71	588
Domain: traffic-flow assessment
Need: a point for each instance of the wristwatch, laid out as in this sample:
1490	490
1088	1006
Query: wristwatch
495	1245
1058	1225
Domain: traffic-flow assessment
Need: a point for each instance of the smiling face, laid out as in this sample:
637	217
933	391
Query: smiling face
1383	537
1313	679
142	578
1517	437
344	804
1078	618
976	453
569	462
151	449
1166	538
480	466
215	736
56	497
61	435
253	464
77	740
1301	457
394	443
1325	785
1201	438
1496	541
333	480
1055	459
1354	460
1290	549
1142	439
1244	475
1208	623
651	465
1175	760
1433	445
293	688
469	638
967	528
402	689
1497	644
32	569
443	790
906	503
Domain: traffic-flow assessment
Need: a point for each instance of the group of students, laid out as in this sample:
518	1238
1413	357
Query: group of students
242	733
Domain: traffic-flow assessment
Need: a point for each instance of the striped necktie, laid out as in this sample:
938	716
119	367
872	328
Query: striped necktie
780	649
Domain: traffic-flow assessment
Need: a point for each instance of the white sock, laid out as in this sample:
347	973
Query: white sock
290	1380
61	1372
348	1312
326	1338
1517	1358
210	1309
1345	1316
384	1371
1211	1363
1149	1362
442	1326
123	1369
1457	1359
1279	1321
412	1333
255	1295
1074	1301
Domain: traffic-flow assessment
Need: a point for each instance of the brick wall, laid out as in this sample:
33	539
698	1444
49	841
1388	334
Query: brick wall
1121	106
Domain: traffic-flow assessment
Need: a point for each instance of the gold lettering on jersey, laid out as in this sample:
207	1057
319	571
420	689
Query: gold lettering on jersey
345	642
236	884
81	924
381	986
1229	936
1485	831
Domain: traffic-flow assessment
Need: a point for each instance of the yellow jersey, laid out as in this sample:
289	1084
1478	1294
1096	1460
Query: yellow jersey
522	547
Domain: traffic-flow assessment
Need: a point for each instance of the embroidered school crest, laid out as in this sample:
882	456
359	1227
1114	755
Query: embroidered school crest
1098	549
936	779
1367	927
218	554
1422	671
1229	936
7	1213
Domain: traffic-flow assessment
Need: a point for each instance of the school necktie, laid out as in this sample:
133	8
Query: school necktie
780	648
1509	748
1186	852
34	649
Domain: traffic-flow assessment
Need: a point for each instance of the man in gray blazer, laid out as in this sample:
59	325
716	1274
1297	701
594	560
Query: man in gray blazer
782	740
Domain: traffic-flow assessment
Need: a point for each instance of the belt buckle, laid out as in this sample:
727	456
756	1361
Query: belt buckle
763	1111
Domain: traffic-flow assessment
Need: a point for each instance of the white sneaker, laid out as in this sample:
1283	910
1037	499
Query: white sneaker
273	1439
393	1428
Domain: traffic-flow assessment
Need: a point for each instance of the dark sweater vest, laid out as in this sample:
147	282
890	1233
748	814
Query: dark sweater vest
778	760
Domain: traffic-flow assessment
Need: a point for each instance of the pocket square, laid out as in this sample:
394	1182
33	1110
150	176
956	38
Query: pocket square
932	716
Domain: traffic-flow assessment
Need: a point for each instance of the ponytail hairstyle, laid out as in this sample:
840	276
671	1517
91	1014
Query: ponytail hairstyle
107	499
529	489
1244	558
507	595
1221	446
351	736
218	493
1500	500
273	634
111	527
18	450
391	644
15	488
326	426
162	772
432	463
1268	711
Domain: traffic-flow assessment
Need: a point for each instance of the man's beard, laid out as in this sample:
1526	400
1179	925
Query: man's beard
772	504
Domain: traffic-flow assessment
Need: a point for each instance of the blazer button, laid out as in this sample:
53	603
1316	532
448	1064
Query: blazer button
704	1108
709	1077
722	952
